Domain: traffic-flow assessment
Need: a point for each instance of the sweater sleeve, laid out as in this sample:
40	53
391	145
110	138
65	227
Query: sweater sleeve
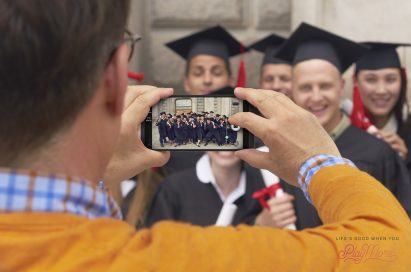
365	229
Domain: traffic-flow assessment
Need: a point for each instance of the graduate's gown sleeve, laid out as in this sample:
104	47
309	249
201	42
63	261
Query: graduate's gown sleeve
377	158
404	131
352	205
396	178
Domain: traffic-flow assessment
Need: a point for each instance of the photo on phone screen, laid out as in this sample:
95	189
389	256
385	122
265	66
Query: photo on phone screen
195	123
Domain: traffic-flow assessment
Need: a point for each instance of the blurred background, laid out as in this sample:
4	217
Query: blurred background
160	21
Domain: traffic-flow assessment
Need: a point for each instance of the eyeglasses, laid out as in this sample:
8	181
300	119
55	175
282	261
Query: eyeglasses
131	40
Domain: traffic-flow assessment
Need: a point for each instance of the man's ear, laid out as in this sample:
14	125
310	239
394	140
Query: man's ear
115	79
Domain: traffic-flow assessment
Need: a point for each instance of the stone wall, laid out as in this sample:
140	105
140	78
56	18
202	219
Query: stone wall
160	21
164	21
360	20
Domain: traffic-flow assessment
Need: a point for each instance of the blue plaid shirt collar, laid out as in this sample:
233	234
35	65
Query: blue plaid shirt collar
26	191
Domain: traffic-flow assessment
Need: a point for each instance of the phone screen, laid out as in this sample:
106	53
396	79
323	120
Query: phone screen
195	123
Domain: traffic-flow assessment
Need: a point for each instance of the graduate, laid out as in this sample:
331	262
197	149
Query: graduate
207	54
199	129
170	129
179	127
161	123
197	195
275	73
382	85
319	58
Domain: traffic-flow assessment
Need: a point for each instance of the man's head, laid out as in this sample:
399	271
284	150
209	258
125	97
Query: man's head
206	73
276	77
319	58
275	73
207	54
58	58
319	88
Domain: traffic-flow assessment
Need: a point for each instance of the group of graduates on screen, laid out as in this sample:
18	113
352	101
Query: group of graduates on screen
196	128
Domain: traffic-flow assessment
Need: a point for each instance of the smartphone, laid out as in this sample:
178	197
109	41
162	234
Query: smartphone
196	123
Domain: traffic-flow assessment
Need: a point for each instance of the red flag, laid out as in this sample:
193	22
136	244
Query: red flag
241	76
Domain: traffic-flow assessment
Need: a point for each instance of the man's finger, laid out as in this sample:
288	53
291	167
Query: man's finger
135	90
267	102
157	158
288	221
257	125
255	158
286	198
140	106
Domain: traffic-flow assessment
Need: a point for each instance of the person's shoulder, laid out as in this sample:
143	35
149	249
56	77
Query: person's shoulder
363	137
368	142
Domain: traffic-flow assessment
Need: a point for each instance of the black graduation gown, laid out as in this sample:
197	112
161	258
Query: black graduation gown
162	129
222	131
186	131
369	154
170	131
199	130
404	131
179	132
183	197
193	133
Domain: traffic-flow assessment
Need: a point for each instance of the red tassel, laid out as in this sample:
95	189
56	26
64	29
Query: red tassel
358	116
241	76
136	76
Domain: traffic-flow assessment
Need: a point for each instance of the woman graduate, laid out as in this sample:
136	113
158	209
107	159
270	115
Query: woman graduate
382	84
197	195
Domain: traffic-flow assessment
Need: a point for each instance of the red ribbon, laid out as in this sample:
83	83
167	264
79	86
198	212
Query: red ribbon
136	76
266	193
359	116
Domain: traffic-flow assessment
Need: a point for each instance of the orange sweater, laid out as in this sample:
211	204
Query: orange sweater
357	209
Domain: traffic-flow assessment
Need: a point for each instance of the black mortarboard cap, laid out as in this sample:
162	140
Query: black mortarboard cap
380	56
214	41
309	42
269	46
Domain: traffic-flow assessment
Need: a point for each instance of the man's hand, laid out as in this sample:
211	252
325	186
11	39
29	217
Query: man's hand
131	156
280	214
291	133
